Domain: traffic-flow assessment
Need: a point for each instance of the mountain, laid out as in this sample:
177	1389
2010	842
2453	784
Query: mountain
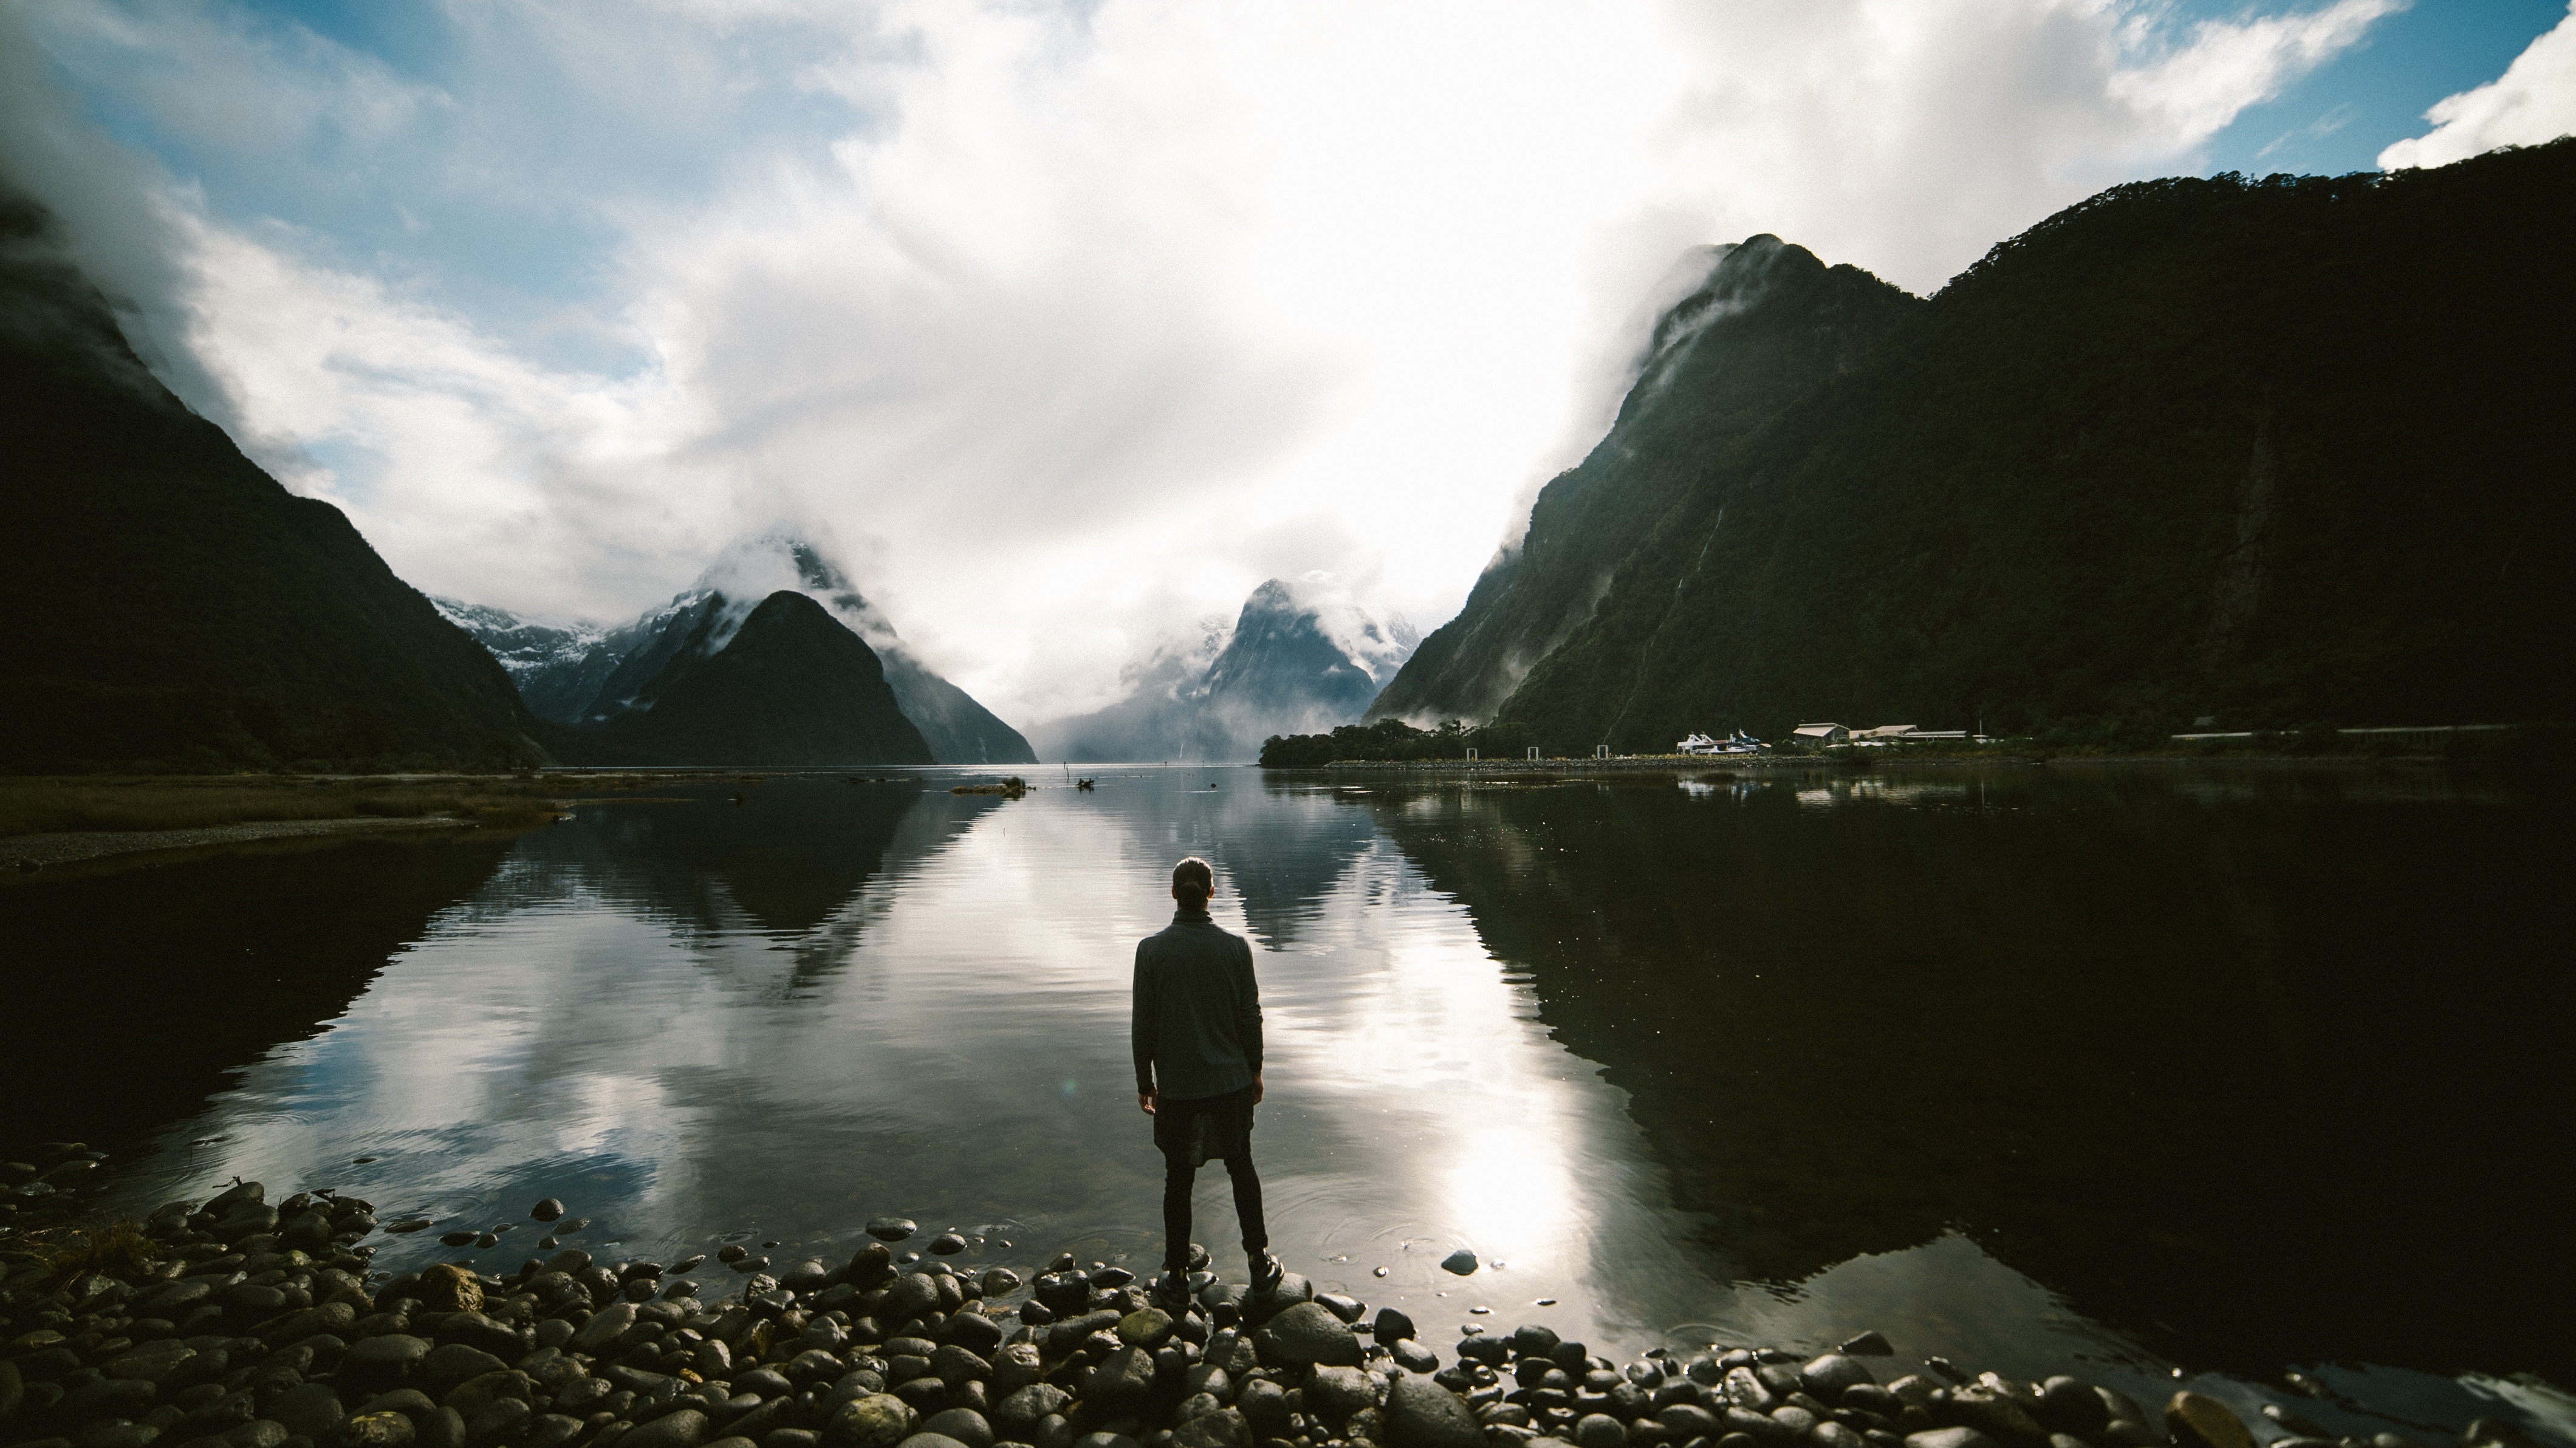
1300	657
791	686
589	677
2267	452
170	605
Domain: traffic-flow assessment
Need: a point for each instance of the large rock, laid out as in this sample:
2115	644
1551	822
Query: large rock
1224	1428
604	1328
960	1425
1420	1413
447	1287
151	1362
931	1440
385	1361
1017	1415
955	1366
475	1394
1148	1328
374	1430
907	1299
309	1410
1264	1405
686	1428
1827	1376
1949	1438
448	1366
2199	1421
1336	1393
1121	1381
879	1420
1309	1333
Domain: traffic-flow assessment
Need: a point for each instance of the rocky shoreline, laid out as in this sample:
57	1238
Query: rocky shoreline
236	1322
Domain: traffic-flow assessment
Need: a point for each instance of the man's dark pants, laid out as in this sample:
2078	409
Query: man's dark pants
1189	1133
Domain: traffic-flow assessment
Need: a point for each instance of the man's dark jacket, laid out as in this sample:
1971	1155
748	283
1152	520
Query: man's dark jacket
1197	1022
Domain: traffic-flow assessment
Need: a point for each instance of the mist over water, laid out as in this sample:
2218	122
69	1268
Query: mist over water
2132	1069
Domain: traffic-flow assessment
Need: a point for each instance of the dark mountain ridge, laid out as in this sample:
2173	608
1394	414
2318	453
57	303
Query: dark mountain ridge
2269	452
169	604
792	686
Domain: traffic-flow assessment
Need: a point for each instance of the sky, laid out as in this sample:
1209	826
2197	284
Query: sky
1063	326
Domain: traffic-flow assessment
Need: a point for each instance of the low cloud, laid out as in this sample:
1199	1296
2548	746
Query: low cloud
2532	102
1071	325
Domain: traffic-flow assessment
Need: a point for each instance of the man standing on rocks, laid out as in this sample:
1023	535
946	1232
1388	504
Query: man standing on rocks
1196	1028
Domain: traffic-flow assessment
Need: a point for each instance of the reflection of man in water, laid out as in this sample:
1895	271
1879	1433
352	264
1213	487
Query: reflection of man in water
1197	1033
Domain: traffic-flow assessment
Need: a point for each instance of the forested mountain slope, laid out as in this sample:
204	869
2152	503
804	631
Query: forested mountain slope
2276	452
168	604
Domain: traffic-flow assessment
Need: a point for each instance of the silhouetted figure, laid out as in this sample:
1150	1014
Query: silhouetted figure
1197	1033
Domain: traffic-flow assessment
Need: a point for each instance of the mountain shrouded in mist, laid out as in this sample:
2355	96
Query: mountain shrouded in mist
1301	657
170	605
2270	452
592	678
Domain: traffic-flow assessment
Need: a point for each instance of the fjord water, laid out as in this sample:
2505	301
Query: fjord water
2106	1069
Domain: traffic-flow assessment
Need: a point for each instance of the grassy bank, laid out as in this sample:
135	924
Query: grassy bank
47	806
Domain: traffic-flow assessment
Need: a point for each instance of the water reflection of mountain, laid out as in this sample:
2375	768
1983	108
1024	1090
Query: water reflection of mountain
777	855
2245	1073
134	995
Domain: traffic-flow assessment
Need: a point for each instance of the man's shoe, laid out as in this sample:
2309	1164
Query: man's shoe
1267	1271
1170	1291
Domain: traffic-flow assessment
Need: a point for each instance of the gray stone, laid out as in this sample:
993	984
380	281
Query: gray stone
387	1360
892	1229
1120	1381
907	1299
1105	1440
1336	1393
959	1425
374	1430
974	1332
1053	1431
2199	1421
955	1366
447	1367
1309	1333
880	1420
547	1211
2005	1418
439	1428
1868	1344
1827	1376
604	1328
1149	1328
1390	1325
412	1403
1412	1356
1600	1430
1018	1413
554	1430
999	1282
1685	1421
2069	1405
686	1428
931	1440
1220	1428
1264	1404
1420	1413
1798	1418
1949	1438
475	1394
500	1421
1461	1262
309	1410
1017	1366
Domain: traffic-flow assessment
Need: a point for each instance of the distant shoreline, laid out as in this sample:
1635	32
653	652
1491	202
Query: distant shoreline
65	847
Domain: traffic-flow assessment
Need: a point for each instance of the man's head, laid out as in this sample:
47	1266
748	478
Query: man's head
1192	883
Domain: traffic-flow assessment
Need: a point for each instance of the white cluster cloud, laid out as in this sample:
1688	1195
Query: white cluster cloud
1072	323
2532	102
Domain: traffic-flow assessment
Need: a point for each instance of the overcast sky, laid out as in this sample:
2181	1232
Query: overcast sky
1066	325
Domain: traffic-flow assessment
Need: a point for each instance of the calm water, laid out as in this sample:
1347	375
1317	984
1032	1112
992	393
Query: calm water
2122	1071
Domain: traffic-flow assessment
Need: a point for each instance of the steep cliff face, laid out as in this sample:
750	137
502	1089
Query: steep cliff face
168	604
1770	325
2274	452
792	686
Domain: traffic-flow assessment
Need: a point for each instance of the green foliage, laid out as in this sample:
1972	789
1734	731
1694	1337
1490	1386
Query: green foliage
1393	739
2277	450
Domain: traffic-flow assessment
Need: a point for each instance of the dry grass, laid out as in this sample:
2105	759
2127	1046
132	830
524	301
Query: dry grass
119	1249
49	806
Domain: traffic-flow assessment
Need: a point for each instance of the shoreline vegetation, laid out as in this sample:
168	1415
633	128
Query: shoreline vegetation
234	1322
1392	743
